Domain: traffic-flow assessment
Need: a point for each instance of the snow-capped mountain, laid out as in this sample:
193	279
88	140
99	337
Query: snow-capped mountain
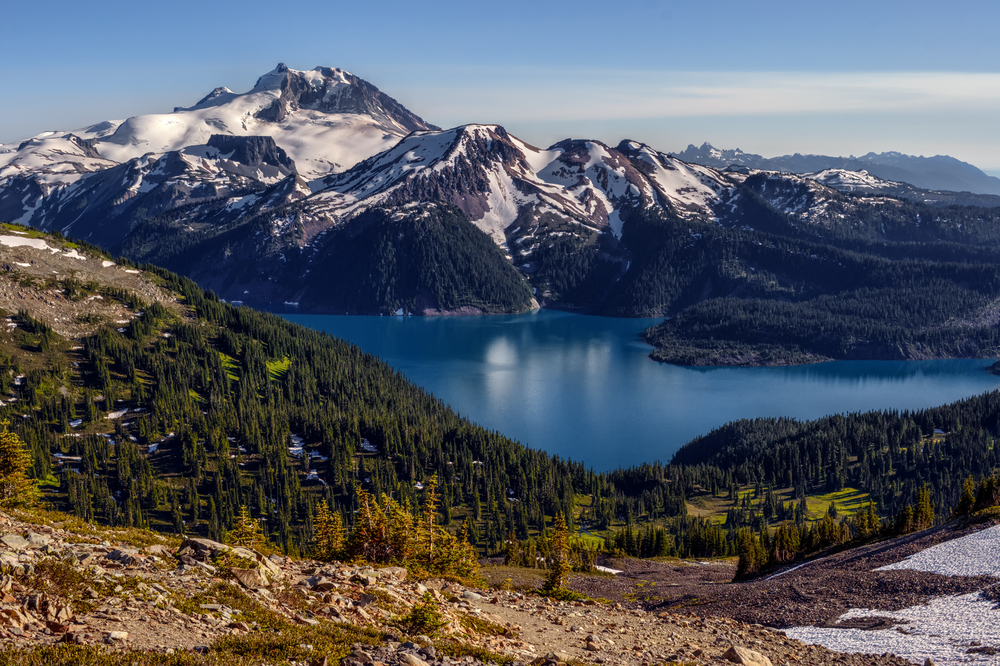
522	196
494	178
278	194
937	173
105	205
864	183
326	119
235	213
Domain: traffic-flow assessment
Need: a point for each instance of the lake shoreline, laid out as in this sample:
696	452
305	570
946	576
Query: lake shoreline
582	387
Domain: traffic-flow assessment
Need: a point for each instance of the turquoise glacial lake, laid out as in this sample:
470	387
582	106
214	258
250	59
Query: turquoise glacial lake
584	387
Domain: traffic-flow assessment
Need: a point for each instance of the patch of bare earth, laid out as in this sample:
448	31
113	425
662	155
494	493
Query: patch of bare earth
32	279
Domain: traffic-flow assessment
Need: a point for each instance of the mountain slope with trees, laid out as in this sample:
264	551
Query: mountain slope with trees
156	404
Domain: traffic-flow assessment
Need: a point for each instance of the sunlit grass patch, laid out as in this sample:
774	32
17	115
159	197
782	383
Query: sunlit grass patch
277	369
847	501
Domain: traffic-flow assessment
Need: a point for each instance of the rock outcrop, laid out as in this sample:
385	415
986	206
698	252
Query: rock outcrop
86	586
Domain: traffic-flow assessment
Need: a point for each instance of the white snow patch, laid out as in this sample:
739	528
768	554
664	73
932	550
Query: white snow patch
314	476
973	555
943	630
608	570
18	241
107	264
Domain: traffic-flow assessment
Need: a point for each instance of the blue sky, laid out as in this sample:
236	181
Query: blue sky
770	77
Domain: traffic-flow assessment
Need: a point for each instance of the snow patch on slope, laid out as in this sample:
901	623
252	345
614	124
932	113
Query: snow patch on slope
691	189
943	630
850	181
18	241
946	627
973	555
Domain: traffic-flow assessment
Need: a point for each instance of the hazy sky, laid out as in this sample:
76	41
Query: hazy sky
770	77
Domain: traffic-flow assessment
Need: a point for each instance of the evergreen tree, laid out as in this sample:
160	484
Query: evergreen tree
967	501
328	533
924	515
429	516
246	532
16	488
559	567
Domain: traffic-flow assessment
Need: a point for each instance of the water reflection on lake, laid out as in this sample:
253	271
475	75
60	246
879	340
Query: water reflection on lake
583	387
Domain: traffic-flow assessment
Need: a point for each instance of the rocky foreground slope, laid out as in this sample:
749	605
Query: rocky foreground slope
139	597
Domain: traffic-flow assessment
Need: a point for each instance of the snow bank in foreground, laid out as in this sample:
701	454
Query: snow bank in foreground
947	627
944	630
974	555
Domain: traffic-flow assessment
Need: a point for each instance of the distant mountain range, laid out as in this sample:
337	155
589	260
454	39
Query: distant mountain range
940	172
315	190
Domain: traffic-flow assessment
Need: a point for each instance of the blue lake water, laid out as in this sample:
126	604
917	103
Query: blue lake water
584	387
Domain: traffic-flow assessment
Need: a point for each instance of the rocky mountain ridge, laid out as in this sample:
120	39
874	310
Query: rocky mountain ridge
236	215
940	172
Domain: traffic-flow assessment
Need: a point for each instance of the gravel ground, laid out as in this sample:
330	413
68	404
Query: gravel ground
931	594
817	593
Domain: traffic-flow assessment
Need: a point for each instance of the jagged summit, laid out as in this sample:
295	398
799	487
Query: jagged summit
272	80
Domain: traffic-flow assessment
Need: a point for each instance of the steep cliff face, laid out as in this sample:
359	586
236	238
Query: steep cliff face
252	151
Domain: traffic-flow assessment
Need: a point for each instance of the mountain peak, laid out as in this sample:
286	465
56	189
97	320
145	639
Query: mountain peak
216	94
273	80
332	90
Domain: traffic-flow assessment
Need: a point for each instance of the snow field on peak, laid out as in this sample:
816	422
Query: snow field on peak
319	143
849	179
691	188
53	157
